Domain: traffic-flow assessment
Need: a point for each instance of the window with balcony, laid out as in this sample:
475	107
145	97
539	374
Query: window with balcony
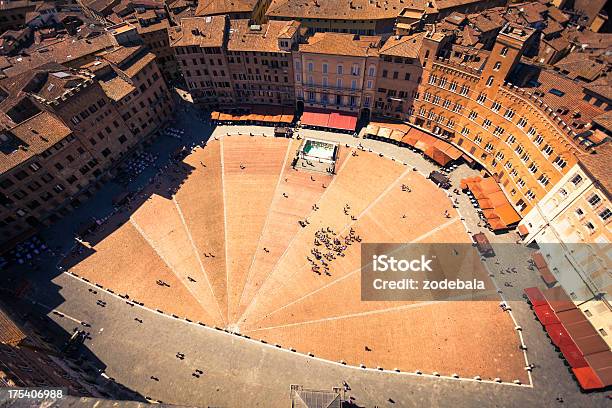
473	115
481	98
525	158
533	168
594	200
465	90
486	123
522	123
496	106
538	140
544	180
547	150
531	132
453	86
560	162
576	180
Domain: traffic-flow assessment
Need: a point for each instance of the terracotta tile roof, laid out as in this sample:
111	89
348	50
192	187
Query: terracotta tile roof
341	44
455	18
139	64
117	88
484	24
38	133
58	83
162	25
552	27
469	36
444	4
201	32
571	98
597	164
558	44
60	51
579	65
590	40
216	7
337	9
121	54
265	39
602	86
557	15
604	120
405	46
9	332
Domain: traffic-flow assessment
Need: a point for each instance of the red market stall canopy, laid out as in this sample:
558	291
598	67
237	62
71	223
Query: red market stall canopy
328	119
545	273
256	113
436	149
498	211
535	296
558	300
585	350
342	121
387	130
546	315
588	378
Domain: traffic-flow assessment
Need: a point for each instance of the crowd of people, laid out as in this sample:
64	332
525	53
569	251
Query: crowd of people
328	246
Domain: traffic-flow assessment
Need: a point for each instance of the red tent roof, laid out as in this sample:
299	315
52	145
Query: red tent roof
315	118
545	315
535	296
558	334
343	121
573	355
558	299
587	378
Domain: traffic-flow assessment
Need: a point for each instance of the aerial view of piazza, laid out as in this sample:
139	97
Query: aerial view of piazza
305	203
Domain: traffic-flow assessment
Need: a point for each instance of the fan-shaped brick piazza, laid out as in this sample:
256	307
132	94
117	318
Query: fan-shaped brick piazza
229	249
